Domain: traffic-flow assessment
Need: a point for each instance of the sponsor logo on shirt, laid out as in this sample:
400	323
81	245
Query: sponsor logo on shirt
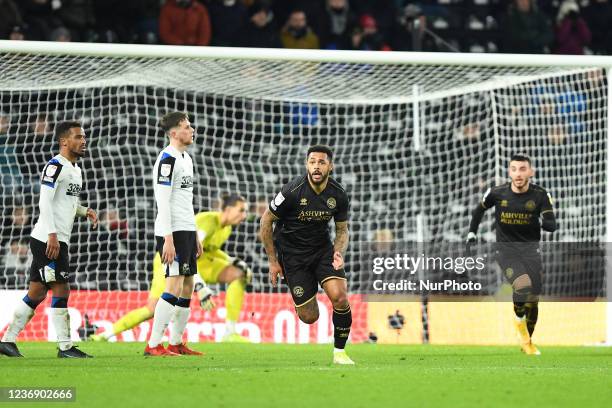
73	190
186	182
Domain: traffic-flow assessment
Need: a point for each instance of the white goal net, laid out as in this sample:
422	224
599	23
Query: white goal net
416	141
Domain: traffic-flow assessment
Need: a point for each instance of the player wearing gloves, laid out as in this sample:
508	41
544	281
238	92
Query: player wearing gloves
214	266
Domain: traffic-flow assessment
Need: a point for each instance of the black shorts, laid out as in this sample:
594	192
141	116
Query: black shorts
304	272
185	245
47	270
514	264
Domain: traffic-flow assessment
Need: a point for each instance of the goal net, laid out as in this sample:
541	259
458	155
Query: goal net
417	140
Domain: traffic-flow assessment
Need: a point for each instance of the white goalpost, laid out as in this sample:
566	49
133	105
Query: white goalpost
418	138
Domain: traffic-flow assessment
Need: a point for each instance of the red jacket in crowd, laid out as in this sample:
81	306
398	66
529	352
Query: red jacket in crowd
179	25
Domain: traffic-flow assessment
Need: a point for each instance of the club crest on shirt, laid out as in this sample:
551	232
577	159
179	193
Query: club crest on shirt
303	201
530	205
509	273
165	170
331	203
504	203
51	169
298	291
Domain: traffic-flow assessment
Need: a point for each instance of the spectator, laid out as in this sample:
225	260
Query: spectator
145	19
409	32
572	33
17	34
78	16
17	226
366	37
10	17
40	16
35	147
16	260
10	174
337	25
112	221
110	25
297	33
60	34
227	17
525	30
184	22
259	31
598	16
383	11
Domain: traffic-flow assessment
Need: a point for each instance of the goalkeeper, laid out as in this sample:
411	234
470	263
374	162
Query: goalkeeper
214	266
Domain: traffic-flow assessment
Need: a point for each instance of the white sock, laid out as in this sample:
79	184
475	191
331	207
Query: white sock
161	317
230	327
21	317
61	322
337	350
178	324
107	334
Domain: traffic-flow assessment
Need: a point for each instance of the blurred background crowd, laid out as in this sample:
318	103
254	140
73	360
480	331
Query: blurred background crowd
512	26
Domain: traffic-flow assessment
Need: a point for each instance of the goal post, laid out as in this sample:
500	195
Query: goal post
418	138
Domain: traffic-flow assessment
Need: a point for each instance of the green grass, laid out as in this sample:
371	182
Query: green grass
295	376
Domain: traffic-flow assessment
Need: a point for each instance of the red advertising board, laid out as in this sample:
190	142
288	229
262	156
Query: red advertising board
266	317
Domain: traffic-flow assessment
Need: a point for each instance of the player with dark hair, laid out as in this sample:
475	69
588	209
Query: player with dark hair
61	183
175	234
300	249
214	266
519	205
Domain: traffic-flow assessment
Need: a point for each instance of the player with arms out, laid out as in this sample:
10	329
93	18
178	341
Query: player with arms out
519	205
61	184
175	235
300	250
214	266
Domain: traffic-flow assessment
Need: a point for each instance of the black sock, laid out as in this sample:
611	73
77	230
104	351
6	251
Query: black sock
519	309
531	310
342	320
519	297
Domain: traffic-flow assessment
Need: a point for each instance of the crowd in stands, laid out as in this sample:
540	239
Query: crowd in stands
513	26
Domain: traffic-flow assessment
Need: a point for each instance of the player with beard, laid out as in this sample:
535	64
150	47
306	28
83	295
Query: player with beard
61	183
519	205
299	248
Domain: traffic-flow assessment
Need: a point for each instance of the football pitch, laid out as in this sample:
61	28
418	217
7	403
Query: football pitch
268	375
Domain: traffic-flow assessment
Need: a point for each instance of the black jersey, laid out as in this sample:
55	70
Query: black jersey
304	215
517	216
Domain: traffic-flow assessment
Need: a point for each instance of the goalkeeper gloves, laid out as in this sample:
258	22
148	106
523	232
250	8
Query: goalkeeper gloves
248	273
205	295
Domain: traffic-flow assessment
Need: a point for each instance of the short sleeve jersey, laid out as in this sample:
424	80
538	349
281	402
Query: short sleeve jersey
304	215
517	216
